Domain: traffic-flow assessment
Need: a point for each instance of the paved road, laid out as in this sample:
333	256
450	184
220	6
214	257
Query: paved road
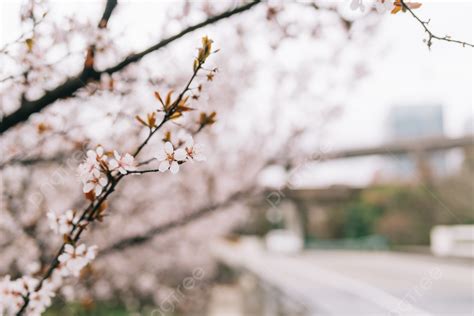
437	286
360	283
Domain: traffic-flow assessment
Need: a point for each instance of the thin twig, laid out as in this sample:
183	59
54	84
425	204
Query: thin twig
432	36
23	36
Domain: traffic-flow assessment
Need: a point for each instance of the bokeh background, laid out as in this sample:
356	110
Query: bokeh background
339	173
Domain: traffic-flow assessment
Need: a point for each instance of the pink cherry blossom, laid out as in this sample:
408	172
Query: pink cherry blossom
383	6
76	258
357	4
169	158
42	299
194	151
122	163
62	224
95	184
91	172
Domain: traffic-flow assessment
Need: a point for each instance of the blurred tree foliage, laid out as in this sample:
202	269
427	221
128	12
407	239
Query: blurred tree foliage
80	309
405	213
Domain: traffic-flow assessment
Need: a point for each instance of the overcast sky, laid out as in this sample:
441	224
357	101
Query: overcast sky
410	74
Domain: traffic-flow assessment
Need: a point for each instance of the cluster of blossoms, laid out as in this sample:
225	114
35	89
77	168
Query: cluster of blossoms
71	262
383	6
99	173
12	292
63	223
74	259
170	159
93	172
98	165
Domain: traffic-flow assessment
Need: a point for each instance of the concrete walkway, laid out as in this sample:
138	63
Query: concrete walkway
358	283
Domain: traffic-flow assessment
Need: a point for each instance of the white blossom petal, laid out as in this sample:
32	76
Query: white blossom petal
81	249
88	187
98	190
161	155
169	148
174	167
69	248
103	181
69	215
91	154
164	165
91	252
189	142
113	163
96	173
180	154
128	159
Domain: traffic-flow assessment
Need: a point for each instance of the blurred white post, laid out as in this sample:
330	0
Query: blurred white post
290	239
453	241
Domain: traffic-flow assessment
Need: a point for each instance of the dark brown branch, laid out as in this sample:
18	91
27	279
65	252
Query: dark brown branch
68	88
109	8
136	57
36	160
63	91
144	171
148	235
432	36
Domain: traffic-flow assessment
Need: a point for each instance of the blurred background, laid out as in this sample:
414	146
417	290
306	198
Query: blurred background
339	173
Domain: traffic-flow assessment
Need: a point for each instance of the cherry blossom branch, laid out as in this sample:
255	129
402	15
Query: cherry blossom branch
71	85
172	110
250	192
55	262
92	211
432	36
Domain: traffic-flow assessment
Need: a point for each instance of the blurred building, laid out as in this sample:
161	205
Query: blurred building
406	122
416	122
